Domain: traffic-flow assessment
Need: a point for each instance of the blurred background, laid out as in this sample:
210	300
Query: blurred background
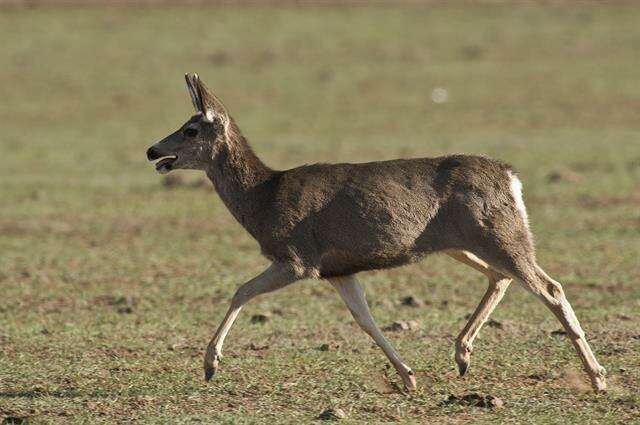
113	277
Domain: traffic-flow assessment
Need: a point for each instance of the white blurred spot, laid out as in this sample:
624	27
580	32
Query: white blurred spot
439	95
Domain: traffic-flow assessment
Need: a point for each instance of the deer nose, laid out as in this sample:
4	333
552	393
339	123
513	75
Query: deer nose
152	154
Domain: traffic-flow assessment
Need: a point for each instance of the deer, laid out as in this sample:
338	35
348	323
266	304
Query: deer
333	221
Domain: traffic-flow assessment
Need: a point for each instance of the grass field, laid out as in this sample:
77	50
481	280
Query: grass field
113	279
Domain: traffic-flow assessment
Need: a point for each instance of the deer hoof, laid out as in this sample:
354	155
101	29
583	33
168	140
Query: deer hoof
599	382
463	358
409	379
462	368
211	367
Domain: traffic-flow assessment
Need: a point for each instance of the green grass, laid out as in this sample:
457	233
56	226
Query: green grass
111	283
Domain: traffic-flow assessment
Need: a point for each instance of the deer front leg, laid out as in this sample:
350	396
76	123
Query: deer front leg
464	343
275	277
353	296
498	285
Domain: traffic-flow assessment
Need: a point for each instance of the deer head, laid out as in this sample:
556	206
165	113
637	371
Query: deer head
192	146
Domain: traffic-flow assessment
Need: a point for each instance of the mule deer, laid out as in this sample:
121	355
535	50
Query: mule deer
331	221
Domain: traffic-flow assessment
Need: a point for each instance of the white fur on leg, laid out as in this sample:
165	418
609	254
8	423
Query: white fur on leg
353	296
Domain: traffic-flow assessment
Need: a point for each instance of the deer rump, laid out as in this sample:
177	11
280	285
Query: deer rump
339	219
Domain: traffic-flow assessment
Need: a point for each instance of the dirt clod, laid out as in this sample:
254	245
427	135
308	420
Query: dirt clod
412	301
331	346
402	325
542	376
261	318
334	414
493	402
476	400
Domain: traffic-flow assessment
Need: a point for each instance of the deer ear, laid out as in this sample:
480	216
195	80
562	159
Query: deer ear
192	86
212	106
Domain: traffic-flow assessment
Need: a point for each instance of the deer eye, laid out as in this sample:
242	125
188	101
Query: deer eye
191	132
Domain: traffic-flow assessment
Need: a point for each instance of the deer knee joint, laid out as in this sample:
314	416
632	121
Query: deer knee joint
555	290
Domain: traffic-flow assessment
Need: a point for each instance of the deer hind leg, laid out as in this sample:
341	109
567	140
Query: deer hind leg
498	284
353	296
552	294
275	277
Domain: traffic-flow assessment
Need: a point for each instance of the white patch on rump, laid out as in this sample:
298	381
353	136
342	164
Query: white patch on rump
516	191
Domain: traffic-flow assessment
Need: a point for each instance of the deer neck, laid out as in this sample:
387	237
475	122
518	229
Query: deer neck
239	177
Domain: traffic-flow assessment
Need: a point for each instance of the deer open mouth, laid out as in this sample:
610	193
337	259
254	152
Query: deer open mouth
165	164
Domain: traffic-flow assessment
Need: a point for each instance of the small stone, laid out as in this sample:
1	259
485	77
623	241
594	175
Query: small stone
402	325
329	346
332	415
493	402
399	325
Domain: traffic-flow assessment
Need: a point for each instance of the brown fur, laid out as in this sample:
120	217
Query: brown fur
339	219
335	220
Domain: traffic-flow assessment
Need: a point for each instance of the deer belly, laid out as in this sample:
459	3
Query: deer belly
360	256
